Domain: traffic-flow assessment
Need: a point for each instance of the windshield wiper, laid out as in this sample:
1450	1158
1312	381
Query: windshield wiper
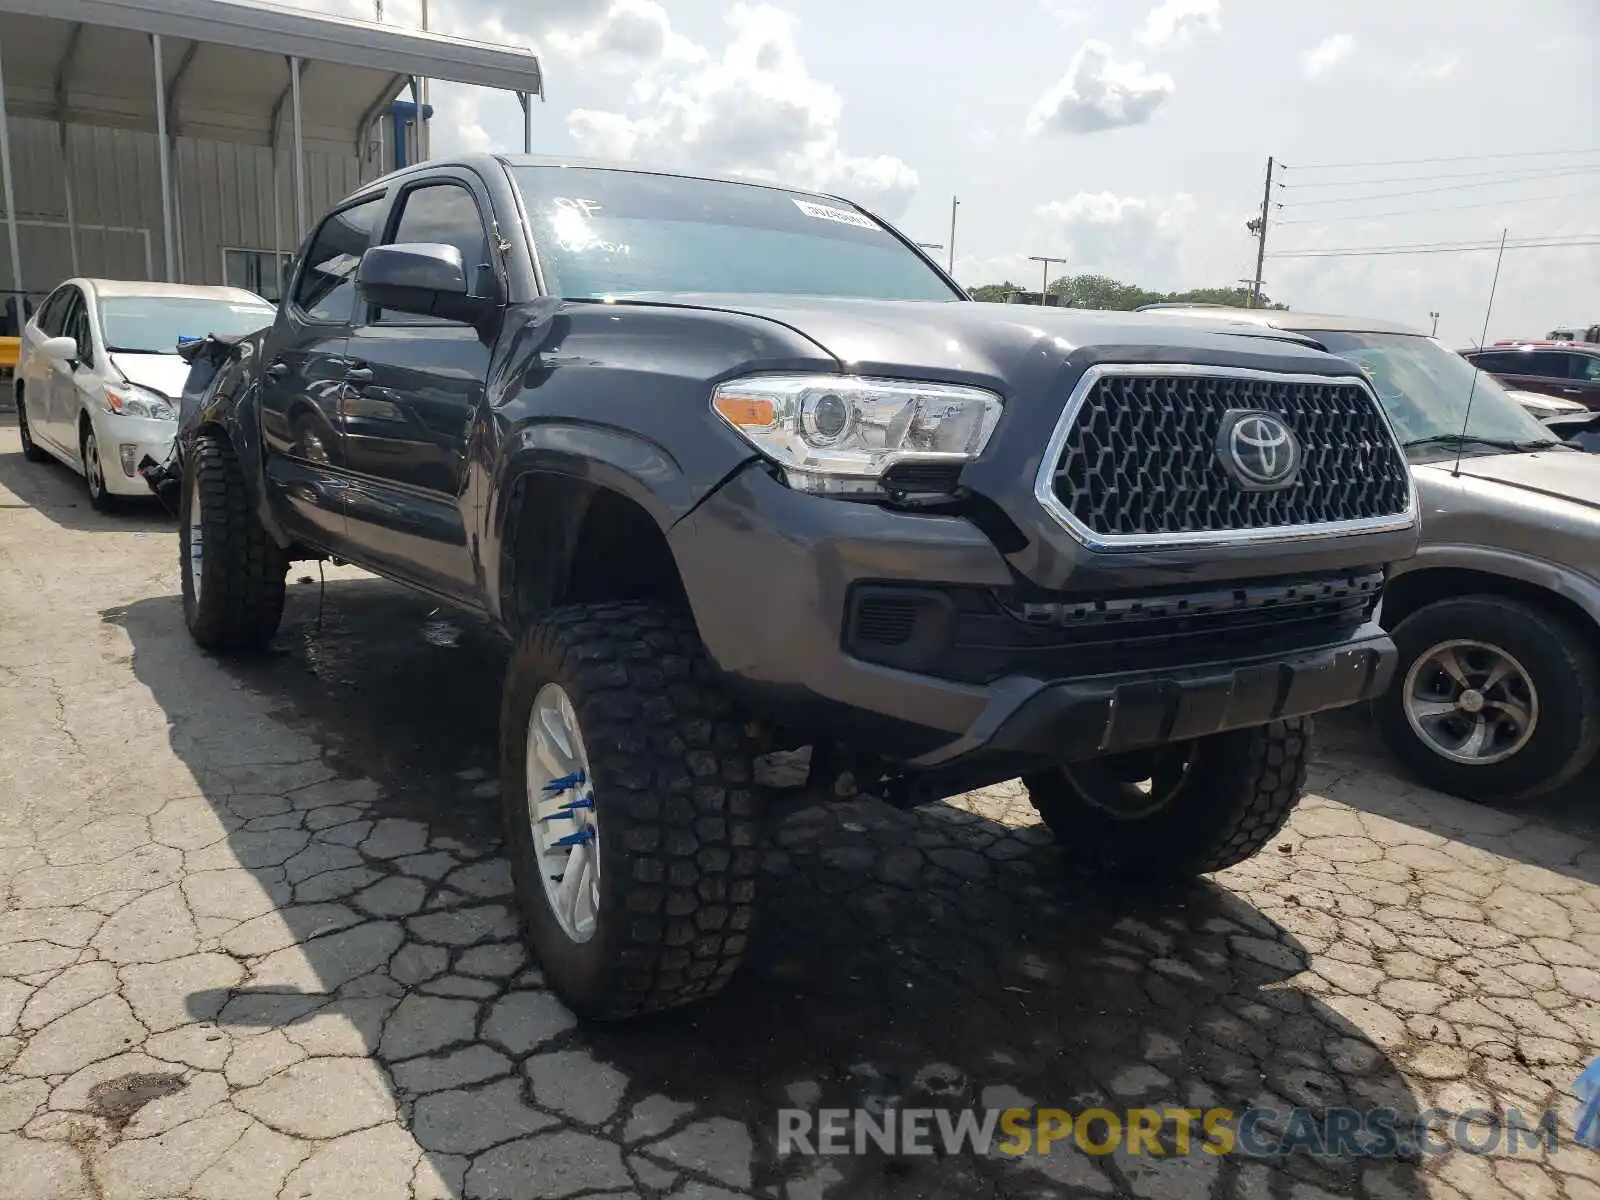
136	350
1468	439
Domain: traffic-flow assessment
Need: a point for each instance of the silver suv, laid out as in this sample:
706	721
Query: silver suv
1497	618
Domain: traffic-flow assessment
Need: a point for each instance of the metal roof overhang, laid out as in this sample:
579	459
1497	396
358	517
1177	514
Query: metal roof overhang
226	67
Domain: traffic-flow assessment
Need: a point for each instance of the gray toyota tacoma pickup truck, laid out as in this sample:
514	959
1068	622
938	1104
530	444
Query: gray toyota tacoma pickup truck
739	469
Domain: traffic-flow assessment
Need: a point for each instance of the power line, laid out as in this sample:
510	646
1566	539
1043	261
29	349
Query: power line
1457	243
1415	162
1406	212
1426	191
1518	172
1382	253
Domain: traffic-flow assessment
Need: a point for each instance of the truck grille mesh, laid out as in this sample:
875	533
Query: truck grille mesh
1140	456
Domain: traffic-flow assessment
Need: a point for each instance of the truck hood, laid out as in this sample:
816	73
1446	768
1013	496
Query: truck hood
1568	475
996	344
162	373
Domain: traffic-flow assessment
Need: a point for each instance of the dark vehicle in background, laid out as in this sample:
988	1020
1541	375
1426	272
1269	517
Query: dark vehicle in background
739	469
1497	618
1568	370
1590	334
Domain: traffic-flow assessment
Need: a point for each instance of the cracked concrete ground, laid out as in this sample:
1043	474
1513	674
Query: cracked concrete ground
256	942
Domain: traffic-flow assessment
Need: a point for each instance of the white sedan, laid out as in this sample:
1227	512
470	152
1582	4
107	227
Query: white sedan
99	378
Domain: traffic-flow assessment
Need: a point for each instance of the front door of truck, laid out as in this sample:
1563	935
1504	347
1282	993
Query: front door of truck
411	398
303	378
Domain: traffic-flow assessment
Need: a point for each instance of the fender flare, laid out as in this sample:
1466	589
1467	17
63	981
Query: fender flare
604	459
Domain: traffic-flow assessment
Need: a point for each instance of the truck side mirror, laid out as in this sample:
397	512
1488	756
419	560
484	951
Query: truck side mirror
426	279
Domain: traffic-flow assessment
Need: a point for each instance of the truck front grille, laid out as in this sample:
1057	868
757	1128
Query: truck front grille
1136	458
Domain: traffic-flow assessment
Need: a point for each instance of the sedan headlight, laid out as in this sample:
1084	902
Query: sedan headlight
838	434
137	402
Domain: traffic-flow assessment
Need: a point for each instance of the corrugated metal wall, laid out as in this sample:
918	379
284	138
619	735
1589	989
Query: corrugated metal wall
224	198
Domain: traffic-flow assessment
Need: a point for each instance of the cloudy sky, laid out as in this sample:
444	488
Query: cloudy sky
1129	136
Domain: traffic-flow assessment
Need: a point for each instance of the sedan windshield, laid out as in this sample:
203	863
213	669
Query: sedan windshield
604	234
156	324
1424	387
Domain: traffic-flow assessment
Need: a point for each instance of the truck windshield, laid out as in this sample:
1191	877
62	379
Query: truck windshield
155	324
604	234
1424	388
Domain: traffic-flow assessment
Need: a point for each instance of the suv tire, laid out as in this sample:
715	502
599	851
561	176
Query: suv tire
667	791
233	594
1223	799
1556	660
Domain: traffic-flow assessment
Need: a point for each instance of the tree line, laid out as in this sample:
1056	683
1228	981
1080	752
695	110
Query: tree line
1101	291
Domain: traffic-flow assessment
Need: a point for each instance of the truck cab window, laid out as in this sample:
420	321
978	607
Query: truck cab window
325	290
446	214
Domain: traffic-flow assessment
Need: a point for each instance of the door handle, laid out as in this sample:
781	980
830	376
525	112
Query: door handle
277	370
358	375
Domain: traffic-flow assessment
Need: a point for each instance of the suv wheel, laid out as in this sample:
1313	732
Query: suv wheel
30	448
1178	811
1493	699
631	815
233	572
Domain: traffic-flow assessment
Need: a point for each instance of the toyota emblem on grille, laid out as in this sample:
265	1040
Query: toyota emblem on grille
1258	450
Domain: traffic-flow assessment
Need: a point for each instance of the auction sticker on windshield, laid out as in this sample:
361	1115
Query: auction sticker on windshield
826	212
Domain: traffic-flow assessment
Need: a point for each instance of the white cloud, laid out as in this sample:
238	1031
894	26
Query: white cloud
1066	13
1133	238
1174	22
1323	58
753	109
1098	92
1436	68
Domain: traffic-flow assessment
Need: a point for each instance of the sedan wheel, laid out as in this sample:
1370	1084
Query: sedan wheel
94	473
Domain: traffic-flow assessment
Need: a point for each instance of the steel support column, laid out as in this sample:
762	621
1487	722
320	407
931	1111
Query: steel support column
5	185
301	215
68	197
164	150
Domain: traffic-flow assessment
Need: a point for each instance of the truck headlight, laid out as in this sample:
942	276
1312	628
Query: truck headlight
838	434
131	401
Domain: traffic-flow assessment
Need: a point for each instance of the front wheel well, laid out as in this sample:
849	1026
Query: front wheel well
572	541
1418	589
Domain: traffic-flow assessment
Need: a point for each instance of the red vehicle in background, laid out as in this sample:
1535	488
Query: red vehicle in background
1570	370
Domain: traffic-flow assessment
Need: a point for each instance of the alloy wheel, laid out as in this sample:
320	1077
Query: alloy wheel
562	814
1470	702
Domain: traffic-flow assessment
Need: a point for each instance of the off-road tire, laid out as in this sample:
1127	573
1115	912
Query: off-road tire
1561	663
30	449
1237	795
675	800
242	569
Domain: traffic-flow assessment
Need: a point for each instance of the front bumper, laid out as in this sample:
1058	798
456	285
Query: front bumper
770	576
125	442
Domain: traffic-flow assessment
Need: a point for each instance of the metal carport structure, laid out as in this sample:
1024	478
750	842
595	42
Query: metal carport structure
292	81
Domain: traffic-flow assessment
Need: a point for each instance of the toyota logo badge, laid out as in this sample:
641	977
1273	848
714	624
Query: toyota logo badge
1258	450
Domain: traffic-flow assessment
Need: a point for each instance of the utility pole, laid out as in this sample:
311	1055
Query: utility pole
1435	317
1044	283
1260	230
954	204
